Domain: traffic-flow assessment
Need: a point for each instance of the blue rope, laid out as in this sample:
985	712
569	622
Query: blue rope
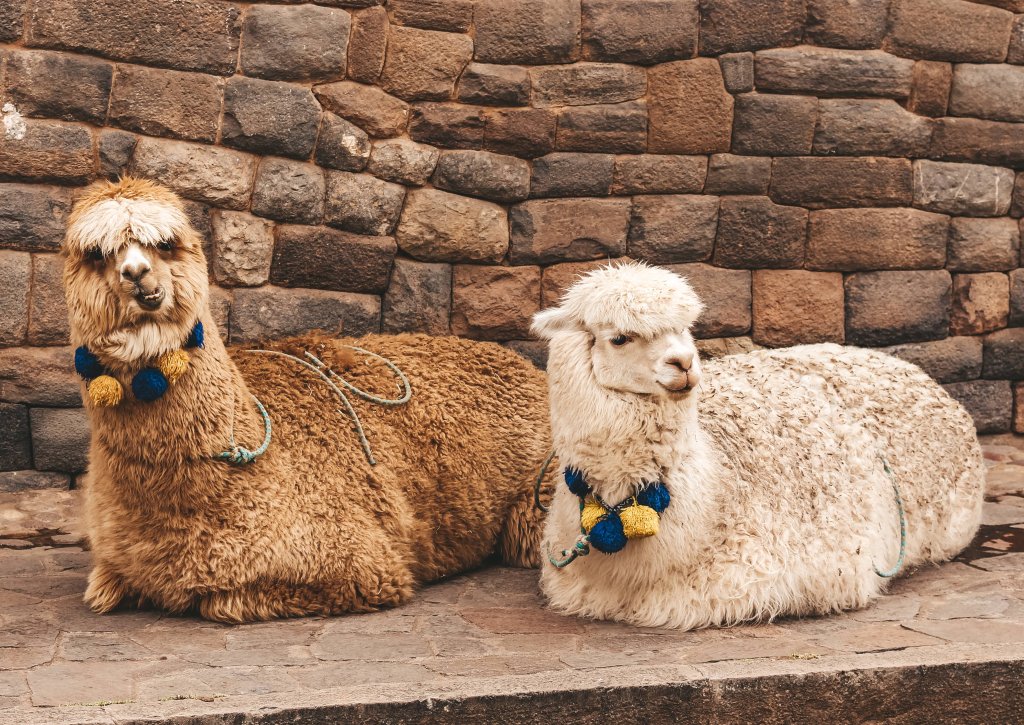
240	455
903	528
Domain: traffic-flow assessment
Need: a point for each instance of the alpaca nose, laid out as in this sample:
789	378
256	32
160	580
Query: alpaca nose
680	361
135	266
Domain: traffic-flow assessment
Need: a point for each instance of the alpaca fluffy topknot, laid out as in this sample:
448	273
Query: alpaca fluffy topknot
631	298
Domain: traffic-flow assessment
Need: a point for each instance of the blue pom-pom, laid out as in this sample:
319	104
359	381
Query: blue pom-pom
656	496
149	384
196	337
576	482
607	535
86	364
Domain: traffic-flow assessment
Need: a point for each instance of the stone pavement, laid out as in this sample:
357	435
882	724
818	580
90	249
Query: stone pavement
946	645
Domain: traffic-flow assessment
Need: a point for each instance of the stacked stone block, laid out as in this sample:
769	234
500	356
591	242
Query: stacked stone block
821	170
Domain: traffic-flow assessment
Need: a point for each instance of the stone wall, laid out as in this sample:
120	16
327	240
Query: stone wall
823	170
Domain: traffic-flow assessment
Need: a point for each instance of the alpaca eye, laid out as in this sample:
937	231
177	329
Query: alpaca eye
165	246
94	254
620	340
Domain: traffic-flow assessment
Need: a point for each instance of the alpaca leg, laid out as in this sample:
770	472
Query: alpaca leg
105	589
520	538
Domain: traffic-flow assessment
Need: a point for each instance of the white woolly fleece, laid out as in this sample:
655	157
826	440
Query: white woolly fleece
112	223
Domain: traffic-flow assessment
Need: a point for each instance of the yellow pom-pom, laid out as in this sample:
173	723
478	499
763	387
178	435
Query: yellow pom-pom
591	514
639	521
105	391
173	365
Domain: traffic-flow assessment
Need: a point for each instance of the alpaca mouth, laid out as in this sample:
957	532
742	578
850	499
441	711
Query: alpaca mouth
684	389
149	300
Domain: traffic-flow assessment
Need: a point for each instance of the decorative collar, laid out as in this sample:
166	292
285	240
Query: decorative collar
608	528
148	384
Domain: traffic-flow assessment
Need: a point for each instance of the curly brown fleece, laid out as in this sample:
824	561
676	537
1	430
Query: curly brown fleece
310	527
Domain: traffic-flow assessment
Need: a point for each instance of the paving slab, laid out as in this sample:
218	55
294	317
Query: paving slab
945	644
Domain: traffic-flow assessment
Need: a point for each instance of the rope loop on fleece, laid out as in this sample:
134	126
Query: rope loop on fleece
889	573
239	455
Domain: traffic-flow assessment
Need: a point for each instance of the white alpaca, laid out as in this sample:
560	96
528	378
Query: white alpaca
780	502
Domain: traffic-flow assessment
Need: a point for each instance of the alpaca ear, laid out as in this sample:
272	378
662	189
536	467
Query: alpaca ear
550	321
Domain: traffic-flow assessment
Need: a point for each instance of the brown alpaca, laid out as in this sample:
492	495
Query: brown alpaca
310	527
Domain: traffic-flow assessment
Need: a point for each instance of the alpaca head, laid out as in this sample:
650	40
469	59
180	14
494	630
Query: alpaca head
630	324
133	267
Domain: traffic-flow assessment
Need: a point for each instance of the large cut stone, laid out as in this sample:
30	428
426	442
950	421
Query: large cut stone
46	151
39	376
15	438
755	233
989	402
585	84
302	43
566	230
324	258
948	361
33	216
885	308
448	125
367	44
289	191
368	107
733	25
673	229
992	91
929	91
341	145
362	204
115	151
773	125
726	297
484	174
1004	354
846	23
948	30
690	110
648	32
11	22
166	103
418	298
852	240
15	288
852	127
831	72
977	141
423	65
795	307
527	31
658	174
267	312
403	161
270	117
494	85
453	15
730	174
616	128
58	85
217	176
558	278
818	182
440	227
967	189
983	245
60	439
1017	298
525	132
243	246
980	303
48	315
572	174
494	303
737	71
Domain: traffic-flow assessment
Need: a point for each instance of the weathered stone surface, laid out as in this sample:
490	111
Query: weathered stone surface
732	25
199	217
948	30
1018	408
60	439
243	246
831	72
166	103
930	86
1015	53
557	278
48	315
564	230
817	182
948	361
484	174
440	227
495	303
32	216
851	240
453	15
182	34
205	173
983	245
726	297
690	110
272	312
886	308
367	44
647	32
15	439
15	287
571	174
423	65
737	71
977	141
526	132
115	151
47	151
362	204
658	174
755	233
301	43
794	307
403	161
981	303
38	376
1017	297
968	189
992	91
730	174
527	31
418	298
448	125
585	84
58	85
536	351
289	191
368	107
1017	203
616	128
988	401
494	85
11	22
673	229
341	145
1004	354
269	117
846	23
324	258
773	125
850	127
